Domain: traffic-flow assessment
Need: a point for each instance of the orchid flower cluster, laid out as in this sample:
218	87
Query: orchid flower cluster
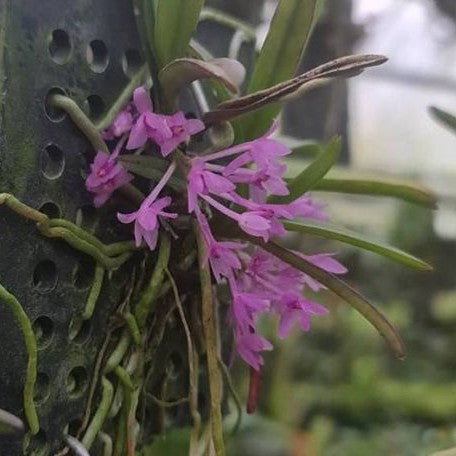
260	284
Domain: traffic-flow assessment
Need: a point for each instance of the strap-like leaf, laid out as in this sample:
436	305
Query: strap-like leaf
445	118
150	168
226	228
285	43
358	240
175	22
403	190
341	289
313	173
182	72
348	66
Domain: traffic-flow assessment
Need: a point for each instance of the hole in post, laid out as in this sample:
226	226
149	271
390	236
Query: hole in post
77	381
86	216
174	365
60	46
94	106
37	445
54	114
132	61
43	327
51	210
97	56
52	162
45	276
83	274
79	330
42	388
72	427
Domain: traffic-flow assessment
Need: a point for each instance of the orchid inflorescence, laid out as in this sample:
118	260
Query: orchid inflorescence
260	283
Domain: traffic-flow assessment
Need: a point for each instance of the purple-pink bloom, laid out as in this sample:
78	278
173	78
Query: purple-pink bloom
148	125
202	182
181	129
292	309
121	124
146	217
249	346
324	261
245	309
106	176
256	224
167	131
221	254
262	151
306	207
223	259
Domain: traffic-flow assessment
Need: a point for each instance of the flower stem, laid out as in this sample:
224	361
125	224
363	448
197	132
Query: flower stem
210	335
162	182
123	99
225	153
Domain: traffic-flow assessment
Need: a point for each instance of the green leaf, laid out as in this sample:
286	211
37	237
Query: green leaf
288	35
406	191
151	168
313	173
175	23
145	23
445	118
348	66
226	228
181	72
341	289
227	20
358	240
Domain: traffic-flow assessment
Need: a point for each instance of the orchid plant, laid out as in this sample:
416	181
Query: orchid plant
219	181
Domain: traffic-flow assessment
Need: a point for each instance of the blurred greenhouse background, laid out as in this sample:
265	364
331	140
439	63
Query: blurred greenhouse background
336	390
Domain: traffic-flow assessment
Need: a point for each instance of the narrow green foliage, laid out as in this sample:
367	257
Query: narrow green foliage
341	289
309	149
406	191
308	178
348	66
285	43
358	240
182	72
151	168
30	344
229	21
175	23
444	117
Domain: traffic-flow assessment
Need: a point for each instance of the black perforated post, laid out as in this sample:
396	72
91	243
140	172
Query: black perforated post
88	50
